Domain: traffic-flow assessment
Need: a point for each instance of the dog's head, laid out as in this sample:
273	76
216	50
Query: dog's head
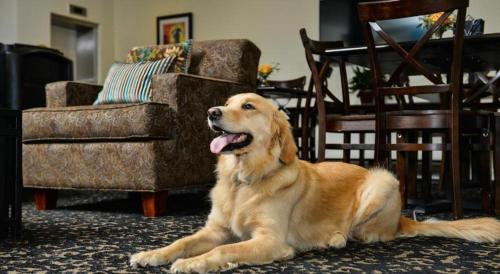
249	123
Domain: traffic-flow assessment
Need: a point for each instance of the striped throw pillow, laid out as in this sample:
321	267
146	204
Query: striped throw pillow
131	83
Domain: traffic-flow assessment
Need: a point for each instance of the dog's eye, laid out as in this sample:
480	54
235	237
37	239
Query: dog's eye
247	106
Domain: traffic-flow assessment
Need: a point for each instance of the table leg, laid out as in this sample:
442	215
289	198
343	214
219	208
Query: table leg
4	203
18	183
496	190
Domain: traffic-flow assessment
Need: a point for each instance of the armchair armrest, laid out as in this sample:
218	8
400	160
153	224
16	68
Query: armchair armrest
66	93
176	89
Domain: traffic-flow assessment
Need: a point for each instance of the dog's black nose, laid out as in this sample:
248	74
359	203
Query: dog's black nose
214	113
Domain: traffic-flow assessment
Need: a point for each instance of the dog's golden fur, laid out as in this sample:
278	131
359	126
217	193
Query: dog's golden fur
276	205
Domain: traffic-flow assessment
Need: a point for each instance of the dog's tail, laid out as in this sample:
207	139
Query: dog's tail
481	230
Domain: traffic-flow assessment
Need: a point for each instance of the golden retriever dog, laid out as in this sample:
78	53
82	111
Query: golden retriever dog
267	204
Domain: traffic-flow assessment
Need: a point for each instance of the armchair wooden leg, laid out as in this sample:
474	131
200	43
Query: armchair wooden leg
154	203
45	198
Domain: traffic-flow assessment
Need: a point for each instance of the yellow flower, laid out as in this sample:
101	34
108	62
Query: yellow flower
435	16
450	20
265	69
427	21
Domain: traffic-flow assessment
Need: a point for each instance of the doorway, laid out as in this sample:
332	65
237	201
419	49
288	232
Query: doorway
77	40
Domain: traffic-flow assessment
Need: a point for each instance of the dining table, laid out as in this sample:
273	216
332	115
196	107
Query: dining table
481	55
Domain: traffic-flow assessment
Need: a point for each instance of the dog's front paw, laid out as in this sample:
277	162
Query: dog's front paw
189	265
337	241
145	258
199	265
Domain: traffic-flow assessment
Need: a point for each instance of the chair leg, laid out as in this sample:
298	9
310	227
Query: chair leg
154	203
444	170
401	171
312	143
426	168
305	128
485	175
321	142
362	151
45	198
455	175
347	152
411	169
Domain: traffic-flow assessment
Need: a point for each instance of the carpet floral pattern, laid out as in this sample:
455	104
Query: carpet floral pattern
97	232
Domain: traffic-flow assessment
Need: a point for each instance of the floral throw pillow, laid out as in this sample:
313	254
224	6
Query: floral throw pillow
181	51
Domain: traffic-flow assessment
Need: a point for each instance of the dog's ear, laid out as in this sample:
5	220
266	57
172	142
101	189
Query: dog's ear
283	136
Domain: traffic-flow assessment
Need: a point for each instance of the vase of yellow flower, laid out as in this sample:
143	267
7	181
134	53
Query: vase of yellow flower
428	20
264	71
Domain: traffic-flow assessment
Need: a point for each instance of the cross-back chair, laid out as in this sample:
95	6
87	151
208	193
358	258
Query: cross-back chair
482	86
335	116
448	119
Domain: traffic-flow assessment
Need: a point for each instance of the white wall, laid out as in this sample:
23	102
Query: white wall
8	21
30	20
489	10
64	39
272	25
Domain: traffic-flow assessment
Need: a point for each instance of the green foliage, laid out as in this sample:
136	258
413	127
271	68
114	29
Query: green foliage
361	80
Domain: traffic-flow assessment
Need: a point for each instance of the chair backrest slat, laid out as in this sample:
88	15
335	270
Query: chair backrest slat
297	83
443	88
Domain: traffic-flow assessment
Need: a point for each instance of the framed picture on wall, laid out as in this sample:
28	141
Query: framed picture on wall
174	28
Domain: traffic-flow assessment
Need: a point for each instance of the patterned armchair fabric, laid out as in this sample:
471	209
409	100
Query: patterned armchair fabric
150	146
233	60
64	93
141	121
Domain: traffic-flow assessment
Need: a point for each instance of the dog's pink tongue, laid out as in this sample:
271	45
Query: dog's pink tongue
220	142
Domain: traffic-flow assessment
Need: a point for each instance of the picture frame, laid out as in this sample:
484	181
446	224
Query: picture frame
172	29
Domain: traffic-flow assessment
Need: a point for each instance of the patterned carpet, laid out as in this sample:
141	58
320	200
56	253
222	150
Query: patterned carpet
96	232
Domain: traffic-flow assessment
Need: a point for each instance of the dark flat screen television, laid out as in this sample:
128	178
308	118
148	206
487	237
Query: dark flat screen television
339	21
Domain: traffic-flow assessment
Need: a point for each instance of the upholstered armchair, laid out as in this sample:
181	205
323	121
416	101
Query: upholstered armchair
148	147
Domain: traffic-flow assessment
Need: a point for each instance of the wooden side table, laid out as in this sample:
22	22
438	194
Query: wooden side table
10	172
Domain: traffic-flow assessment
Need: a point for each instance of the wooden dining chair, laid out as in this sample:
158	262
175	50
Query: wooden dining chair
309	122
334	115
296	114
449	119
483	91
